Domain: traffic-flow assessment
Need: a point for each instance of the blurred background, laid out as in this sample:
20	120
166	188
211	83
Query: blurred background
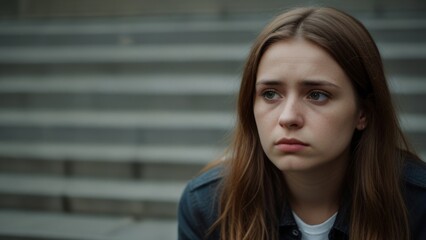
107	108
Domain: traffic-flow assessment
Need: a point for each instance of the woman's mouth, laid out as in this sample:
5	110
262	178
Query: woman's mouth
290	145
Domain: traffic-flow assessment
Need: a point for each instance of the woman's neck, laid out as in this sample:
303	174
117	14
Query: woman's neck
315	195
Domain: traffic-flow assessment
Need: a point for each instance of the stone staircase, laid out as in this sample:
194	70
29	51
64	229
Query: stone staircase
103	121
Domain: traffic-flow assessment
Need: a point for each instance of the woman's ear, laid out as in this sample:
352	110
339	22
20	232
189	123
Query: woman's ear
362	121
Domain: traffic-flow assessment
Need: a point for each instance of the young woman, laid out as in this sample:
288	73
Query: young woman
318	152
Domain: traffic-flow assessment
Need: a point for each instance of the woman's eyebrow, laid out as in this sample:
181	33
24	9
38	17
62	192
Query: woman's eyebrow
310	83
315	83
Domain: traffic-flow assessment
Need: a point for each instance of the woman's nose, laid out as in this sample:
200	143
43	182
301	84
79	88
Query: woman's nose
291	116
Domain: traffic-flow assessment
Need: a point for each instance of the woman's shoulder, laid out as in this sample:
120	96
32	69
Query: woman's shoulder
415	172
415	196
207	179
198	206
204	190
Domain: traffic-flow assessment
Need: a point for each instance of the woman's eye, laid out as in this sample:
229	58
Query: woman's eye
318	96
270	95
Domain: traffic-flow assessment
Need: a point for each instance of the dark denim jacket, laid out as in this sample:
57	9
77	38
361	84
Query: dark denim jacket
199	201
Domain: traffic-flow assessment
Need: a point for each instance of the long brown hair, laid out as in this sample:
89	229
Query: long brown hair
253	189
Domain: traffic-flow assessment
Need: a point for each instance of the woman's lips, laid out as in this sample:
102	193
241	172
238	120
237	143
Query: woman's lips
290	145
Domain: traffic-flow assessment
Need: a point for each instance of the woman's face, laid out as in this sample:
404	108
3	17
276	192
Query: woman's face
305	107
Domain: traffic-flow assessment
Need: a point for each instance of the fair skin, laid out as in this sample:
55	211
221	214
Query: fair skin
306	113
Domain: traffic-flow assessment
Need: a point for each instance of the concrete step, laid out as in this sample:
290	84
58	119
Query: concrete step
58	8
127	84
118	69
142	199
118	93
120	119
129	54
111	153
409	93
106	161
396	30
134	128
136	31
42	226
407	84
414	125
117	101
410	103
399	58
108	135
173	59
127	32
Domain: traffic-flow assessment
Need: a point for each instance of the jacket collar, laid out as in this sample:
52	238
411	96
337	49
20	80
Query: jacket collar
340	226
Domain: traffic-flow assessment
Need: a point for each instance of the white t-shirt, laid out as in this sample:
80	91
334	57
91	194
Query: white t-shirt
315	232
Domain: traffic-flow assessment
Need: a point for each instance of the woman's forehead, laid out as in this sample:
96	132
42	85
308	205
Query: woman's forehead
298	59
